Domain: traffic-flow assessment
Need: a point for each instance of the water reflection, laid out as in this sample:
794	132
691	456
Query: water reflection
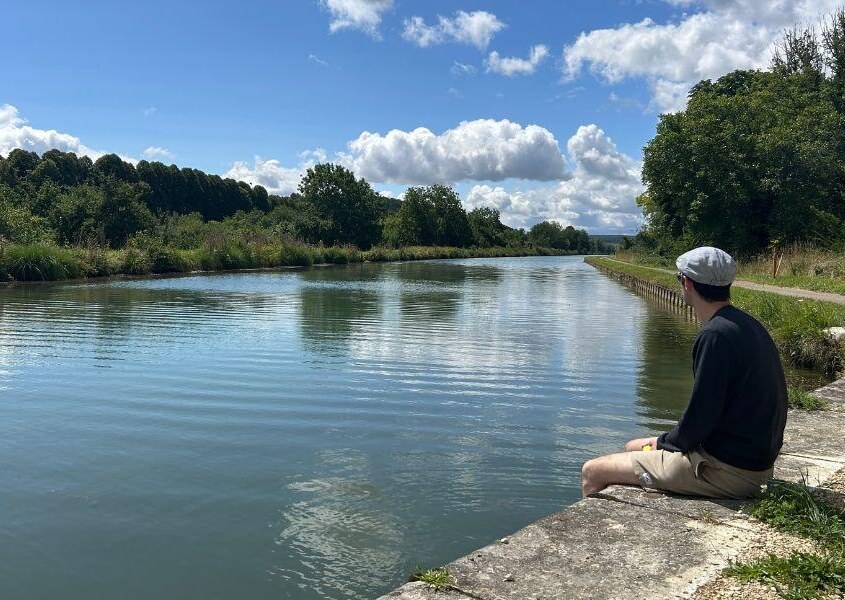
335	538
316	433
330	317
664	380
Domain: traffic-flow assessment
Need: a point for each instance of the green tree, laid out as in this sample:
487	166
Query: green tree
21	162
17	224
428	216
414	223
123	211
72	170
756	156
46	171
109	213
112	166
451	226
547	234
515	238
346	209
487	227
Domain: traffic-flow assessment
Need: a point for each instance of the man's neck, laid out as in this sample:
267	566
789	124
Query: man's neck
705	310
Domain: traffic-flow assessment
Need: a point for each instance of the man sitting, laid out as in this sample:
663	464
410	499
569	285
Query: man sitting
729	436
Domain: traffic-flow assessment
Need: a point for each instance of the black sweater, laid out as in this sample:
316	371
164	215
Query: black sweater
737	411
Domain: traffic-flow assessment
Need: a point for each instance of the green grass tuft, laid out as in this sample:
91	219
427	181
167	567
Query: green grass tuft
794	508
437	578
802	576
805	400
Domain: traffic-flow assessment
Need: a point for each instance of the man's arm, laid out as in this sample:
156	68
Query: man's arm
640	443
712	367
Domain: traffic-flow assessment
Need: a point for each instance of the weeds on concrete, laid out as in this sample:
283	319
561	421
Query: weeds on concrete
795	509
801	576
438	579
805	400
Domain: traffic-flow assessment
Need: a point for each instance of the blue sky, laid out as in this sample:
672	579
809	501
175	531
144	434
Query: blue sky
538	108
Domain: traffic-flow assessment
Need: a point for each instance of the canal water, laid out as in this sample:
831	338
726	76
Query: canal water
310	434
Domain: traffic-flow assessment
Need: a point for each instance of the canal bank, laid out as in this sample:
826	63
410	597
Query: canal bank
626	543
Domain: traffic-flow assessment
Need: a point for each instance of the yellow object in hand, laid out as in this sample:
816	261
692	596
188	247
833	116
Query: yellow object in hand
647	447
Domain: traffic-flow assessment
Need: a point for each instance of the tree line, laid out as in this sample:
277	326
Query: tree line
70	200
756	161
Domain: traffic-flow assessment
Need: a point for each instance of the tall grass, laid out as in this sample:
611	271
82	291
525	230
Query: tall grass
36	262
796	509
798	326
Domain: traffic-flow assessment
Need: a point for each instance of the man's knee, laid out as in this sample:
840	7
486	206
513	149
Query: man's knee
597	473
589	470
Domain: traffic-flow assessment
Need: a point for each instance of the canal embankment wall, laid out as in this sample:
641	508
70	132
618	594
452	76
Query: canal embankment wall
628	543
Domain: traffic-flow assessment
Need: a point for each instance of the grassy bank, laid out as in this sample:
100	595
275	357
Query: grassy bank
800	267
43	262
795	324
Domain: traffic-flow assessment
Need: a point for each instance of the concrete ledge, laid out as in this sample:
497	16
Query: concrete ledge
600	549
627	543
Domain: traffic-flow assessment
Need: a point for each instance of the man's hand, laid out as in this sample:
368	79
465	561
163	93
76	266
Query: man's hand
639	443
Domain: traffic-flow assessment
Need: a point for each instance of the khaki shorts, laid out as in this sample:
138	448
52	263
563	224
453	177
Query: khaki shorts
695	474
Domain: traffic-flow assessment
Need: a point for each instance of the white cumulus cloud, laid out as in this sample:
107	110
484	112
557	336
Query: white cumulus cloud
15	133
511	66
357	14
600	196
274	176
157	153
481	150
722	36
475	28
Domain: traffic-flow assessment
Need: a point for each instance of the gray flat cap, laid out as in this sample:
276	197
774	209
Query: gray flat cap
708	265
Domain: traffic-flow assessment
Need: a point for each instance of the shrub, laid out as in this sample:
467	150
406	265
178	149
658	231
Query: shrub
295	256
336	255
136	262
100	262
165	259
